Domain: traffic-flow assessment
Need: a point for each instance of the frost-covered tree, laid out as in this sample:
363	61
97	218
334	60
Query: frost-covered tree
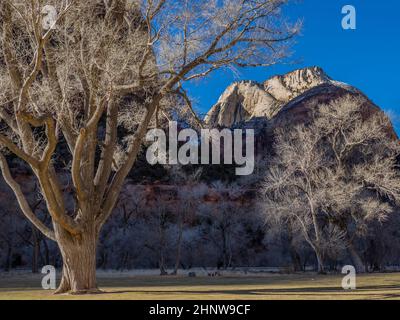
330	177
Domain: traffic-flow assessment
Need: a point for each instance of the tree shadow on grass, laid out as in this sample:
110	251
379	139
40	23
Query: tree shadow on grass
317	291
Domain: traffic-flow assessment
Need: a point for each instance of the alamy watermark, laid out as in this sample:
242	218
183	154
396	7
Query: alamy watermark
49	280
349	21
349	281
205	150
49	17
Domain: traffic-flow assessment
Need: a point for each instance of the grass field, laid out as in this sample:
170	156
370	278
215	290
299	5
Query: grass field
273	287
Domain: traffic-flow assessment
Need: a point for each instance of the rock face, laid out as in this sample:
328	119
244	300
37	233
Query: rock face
244	101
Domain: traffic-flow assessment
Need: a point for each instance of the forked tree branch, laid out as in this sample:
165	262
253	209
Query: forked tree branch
5	141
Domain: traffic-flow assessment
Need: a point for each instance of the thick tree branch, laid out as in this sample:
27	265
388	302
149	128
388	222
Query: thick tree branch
76	166
48	122
107	155
18	152
23	203
114	189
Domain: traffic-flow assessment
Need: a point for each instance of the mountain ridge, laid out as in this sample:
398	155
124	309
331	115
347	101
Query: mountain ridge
245	100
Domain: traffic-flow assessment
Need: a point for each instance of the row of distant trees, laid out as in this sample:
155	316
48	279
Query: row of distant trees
222	235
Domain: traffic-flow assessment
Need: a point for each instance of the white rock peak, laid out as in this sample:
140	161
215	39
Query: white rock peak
245	100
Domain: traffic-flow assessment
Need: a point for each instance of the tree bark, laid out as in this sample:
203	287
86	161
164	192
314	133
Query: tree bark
79	263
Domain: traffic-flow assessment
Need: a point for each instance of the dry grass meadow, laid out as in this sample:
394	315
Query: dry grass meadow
265	287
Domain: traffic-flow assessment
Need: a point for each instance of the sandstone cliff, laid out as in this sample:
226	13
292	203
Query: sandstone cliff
247	100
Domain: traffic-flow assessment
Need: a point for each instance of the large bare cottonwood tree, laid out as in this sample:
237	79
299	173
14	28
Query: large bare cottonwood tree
82	81
331	177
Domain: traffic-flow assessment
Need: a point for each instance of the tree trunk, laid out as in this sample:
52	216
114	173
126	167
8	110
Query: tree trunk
8	264
320	261
296	259
163	270
79	263
35	251
46	252
355	258
161	231
178	246
295	256
224	249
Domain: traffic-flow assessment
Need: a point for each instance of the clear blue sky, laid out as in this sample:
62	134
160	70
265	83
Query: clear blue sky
367	58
